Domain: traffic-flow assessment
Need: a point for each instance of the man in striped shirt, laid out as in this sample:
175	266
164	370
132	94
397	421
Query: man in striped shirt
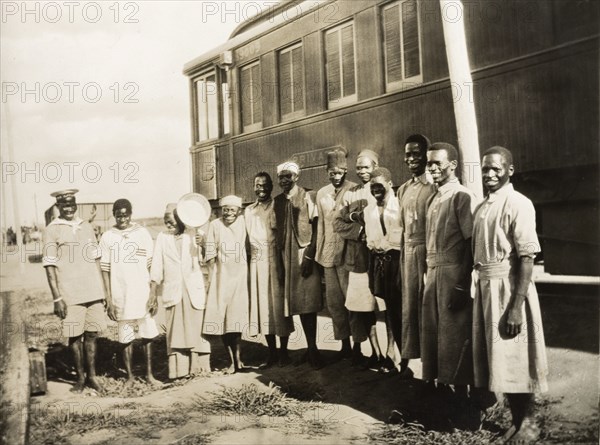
126	257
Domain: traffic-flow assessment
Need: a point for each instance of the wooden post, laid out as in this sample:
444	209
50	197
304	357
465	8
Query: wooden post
462	94
14	372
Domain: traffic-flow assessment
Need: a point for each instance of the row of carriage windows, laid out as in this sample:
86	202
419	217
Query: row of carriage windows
402	65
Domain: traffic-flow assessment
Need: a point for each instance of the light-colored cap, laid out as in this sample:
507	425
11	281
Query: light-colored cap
64	195
170	208
369	154
231	200
289	166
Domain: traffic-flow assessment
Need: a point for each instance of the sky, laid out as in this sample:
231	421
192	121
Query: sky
93	98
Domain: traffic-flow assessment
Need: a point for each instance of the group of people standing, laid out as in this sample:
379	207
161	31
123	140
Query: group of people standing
450	276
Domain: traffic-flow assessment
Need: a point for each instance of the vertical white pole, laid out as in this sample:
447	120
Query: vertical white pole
462	93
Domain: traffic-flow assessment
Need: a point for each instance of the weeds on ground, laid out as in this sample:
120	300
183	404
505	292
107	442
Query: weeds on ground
57	428
250	400
193	439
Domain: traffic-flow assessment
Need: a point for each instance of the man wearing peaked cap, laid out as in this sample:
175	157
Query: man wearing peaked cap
126	259
71	259
296	220
330	247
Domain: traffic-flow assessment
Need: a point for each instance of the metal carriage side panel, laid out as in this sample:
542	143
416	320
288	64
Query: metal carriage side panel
380	125
543	108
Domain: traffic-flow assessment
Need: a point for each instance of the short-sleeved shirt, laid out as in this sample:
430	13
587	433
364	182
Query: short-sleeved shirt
71	247
504	228
449	223
127	255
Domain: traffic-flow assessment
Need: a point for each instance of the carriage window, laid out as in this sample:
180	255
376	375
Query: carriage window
291	81
207	107
340	66
251	97
401	44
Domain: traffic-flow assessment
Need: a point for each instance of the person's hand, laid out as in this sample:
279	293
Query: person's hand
60	309
459	298
306	267
514	321
111	311
199	238
358	217
280	271
152	305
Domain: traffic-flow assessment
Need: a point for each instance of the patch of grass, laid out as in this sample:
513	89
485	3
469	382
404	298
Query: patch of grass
57	428
415	434
250	400
193	439
310	428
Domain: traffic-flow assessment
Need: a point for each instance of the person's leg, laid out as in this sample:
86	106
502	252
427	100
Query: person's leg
374	339
236	341
90	355
309	324
390	360
128	360
284	358
227	342
335	282
522	411
76	345
148	353
95	323
272	345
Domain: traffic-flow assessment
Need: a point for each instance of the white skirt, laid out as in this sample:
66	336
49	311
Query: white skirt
359	297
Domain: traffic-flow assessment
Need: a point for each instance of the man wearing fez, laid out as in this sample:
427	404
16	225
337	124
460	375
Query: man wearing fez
361	303
509	352
413	196
126	260
296	224
330	247
266	298
447	311
71	259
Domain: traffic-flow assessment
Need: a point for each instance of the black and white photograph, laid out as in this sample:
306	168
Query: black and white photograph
299	222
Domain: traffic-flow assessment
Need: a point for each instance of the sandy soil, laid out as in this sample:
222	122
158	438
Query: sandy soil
353	401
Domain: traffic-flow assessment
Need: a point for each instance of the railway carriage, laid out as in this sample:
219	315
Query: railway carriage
306	76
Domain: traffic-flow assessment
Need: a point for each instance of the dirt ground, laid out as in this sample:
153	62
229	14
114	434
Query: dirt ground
336	404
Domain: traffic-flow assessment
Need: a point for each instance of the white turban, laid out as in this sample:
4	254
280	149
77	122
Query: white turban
170	208
231	200
289	166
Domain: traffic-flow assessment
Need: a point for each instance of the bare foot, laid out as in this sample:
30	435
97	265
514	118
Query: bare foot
241	367
95	385
78	387
509	433
129	383
153	382
271	361
230	370
528	433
